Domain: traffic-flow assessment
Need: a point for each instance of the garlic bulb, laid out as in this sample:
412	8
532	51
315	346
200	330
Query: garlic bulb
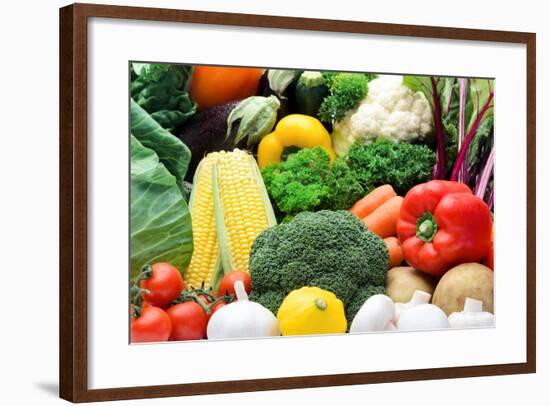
472	315
242	319
376	314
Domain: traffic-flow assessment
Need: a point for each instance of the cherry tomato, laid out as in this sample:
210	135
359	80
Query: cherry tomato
164	285
215	85
153	324
227	285
214	308
203	299
188	321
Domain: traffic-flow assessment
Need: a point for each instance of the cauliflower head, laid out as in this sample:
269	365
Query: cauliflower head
390	111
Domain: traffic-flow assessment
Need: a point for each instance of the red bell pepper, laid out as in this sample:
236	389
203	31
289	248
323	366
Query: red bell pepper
490	257
442	224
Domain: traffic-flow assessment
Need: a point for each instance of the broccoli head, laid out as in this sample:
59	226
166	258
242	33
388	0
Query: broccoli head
332	250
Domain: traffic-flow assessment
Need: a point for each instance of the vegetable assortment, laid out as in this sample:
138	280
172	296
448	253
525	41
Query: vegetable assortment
269	202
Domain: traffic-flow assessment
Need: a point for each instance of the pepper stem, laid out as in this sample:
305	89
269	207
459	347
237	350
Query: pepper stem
321	304
426	227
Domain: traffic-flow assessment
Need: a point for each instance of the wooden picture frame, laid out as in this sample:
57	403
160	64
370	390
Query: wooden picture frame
73	198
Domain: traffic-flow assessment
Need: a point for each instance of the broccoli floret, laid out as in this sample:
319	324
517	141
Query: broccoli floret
346	91
361	295
307	181
400	164
332	250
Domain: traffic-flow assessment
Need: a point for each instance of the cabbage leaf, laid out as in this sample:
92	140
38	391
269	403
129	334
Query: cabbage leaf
161	90
173	153
160	222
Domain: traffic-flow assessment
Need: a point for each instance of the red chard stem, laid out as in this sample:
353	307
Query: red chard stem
439	168
463	87
464	148
485	175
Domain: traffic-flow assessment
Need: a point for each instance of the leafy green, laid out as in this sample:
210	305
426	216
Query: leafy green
307	181
160	222
478	90
420	84
481	145
346	90
173	153
402	165
160	89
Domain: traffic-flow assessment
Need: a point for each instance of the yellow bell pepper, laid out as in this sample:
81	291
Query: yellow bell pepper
311	310
294	130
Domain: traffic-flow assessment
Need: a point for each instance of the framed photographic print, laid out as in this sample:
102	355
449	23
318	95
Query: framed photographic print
359	190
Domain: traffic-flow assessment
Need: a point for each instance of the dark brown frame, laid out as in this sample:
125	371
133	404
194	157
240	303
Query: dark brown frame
73	201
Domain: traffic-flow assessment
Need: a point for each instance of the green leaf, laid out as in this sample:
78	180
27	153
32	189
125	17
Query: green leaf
160	89
160	222
481	143
173	153
478	93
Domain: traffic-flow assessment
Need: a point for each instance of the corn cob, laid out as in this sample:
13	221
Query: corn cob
205	259
229	208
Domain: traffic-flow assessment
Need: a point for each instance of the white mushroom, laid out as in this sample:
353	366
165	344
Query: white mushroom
419	297
472	315
376	314
423	317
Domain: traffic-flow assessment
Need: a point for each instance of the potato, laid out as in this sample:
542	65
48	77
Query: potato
404	280
466	280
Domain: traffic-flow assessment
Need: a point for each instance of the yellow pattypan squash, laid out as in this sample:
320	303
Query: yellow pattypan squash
311	310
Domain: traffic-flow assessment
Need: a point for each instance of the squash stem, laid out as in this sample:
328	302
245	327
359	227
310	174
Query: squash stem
321	304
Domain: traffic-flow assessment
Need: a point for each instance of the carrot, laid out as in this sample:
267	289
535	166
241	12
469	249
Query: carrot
383	220
395	250
374	199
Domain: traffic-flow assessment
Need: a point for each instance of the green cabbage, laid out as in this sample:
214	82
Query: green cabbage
173	153
160	222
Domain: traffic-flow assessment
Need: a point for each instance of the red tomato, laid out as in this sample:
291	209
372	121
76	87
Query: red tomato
214	308
164	285
153	324
188	321
227	285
